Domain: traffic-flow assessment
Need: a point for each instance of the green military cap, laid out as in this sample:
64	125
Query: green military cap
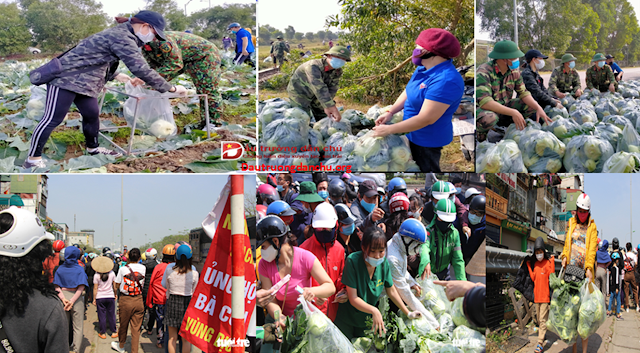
506	49
598	57
308	192
568	57
279	37
340	52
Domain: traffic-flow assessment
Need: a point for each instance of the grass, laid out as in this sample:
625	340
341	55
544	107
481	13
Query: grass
70	137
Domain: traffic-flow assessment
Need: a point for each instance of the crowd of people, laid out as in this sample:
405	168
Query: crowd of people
346	243
47	287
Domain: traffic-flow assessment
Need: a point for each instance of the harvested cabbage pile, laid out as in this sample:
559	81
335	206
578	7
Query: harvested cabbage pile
618	120
622	162
564	309
433	296
587	154
609	132
629	141
327	127
553	112
542	152
382	154
564	128
503	156
591	314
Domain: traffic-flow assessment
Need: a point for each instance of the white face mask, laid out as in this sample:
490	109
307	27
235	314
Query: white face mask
540	64
539	257
414	248
146	38
269	254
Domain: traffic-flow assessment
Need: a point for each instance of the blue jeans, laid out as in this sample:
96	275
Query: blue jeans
617	299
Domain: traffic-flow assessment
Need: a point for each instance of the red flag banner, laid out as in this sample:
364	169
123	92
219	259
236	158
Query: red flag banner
207	321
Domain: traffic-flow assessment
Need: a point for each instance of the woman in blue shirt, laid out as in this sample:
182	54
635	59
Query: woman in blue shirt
431	97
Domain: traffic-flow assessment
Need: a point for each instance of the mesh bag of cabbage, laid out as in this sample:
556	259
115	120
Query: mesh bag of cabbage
622	162
155	116
629	141
327	127
591	314
433	296
583	113
501	157
587	154
617	120
383	153
542	151
286	132
553	112
563	310
564	128
323	336
608	132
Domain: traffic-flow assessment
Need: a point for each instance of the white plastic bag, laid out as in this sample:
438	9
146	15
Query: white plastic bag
155	116
324	337
591	313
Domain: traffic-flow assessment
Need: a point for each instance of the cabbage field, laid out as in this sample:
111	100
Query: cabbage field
163	145
313	332
596	133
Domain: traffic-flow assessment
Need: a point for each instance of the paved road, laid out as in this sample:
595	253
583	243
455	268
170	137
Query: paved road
629	74
614	336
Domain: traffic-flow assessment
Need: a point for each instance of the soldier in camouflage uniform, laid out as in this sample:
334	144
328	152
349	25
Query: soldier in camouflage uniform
495	83
315	83
85	70
187	53
600	76
277	51
565	79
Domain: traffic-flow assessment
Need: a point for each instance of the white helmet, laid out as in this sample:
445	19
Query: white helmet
151	253
24	233
584	201
324	216
471	191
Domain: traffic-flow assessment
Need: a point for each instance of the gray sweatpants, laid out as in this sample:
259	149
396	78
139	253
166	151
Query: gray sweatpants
601	279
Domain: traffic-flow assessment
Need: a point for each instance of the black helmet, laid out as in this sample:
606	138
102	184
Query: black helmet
109	255
77	245
344	214
539	245
105	250
269	227
478	203
615	244
337	188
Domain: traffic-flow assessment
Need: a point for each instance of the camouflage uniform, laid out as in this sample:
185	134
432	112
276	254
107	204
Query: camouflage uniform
313	86
193	55
104	50
494	86
563	81
600	78
278	49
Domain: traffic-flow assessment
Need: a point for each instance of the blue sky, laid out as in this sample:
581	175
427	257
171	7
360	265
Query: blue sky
156	205
308	18
610	203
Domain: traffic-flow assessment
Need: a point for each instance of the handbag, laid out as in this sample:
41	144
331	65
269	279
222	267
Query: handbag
573	273
53	69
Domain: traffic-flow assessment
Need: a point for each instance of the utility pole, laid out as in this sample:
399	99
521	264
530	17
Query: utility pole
515	21
121	213
74	222
631	208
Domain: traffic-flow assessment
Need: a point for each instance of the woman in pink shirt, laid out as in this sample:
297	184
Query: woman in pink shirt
279	259
104	295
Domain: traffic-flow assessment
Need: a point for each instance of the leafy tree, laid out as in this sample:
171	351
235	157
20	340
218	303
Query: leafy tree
289	32
173	15
277	33
309	35
265	34
59	24
212	23
299	35
331	35
383	33
14	33
321	35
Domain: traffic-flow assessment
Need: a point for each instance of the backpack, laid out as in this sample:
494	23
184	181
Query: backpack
131	282
628	266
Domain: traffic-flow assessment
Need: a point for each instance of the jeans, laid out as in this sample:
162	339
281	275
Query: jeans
427	158
159	310
617	299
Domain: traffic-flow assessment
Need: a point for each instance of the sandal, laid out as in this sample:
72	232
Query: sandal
102	335
539	349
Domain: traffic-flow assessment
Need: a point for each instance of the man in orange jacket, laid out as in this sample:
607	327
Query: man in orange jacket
51	262
330	254
542	268
157	294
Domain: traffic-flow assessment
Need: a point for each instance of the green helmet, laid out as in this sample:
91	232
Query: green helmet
598	57
446	210
505	49
441	190
567	58
279	37
340	52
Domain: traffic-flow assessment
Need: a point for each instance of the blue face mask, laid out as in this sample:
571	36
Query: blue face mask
572	64
234	32
348	230
337	63
368	206
323	194
458	190
600	63
515	64
375	262
280	188
473	219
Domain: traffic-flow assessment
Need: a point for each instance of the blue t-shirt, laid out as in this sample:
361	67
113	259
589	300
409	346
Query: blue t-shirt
441	83
242	33
616	69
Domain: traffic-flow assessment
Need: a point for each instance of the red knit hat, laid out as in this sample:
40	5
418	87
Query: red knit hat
440	42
